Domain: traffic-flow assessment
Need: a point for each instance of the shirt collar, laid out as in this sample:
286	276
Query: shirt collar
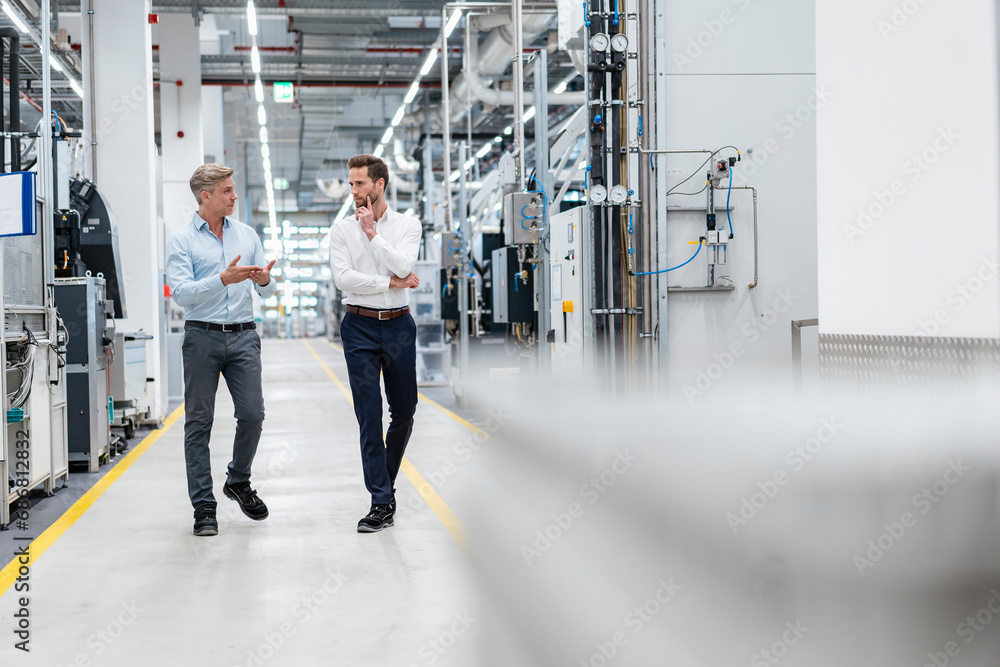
385	216
202	223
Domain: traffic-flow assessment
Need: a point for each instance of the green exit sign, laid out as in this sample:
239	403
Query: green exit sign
284	91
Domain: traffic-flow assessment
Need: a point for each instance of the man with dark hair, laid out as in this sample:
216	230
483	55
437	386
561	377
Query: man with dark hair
372	257
207	280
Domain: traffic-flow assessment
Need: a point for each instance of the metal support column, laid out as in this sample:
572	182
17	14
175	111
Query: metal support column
543	179
462	226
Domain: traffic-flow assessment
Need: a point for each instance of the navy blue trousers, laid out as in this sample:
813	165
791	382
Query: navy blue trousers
387	348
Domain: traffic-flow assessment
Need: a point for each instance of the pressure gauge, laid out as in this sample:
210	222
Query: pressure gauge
599	42
619	193
598	193
619	43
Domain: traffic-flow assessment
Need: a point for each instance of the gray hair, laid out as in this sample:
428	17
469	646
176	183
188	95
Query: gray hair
206	177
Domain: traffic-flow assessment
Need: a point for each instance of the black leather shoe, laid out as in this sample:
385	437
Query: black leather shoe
205	523
378	518
247	499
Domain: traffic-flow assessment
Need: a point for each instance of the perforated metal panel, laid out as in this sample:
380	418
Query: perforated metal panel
913	361
23	271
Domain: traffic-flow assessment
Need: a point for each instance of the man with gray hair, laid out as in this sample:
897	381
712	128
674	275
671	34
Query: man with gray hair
211	264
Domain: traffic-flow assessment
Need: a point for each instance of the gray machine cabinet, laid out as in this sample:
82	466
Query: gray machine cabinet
82	306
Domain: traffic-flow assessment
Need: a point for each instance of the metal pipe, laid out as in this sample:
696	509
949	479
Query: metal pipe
665	152
518	85
463	277
447	120
754	190
47	166
647	79
91	89
797	348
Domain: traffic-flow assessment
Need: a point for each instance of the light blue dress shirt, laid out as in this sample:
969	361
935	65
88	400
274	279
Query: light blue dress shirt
196	258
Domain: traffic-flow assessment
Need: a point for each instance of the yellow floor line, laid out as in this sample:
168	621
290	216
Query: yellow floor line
41	544
426	491
435	405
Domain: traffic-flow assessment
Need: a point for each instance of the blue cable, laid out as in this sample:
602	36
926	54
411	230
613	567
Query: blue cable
730	217
615	21
651	165
586	20
640	125
586	174
629	223
653	273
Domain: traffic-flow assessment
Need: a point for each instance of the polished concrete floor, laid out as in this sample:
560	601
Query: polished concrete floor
128	584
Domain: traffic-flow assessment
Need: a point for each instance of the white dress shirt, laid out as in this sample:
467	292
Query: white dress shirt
362	268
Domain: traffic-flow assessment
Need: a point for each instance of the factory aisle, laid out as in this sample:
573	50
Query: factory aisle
128	584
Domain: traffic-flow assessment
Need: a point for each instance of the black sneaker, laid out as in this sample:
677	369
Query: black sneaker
247	498
392	503
378	518
205	523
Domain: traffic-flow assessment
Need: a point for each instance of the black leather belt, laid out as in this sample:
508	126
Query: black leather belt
389	314
225	328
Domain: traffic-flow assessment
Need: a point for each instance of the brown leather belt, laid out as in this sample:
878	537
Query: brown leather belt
390	314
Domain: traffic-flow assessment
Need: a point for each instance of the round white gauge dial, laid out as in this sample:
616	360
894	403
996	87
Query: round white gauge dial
619	43
598	193
619	193
599	42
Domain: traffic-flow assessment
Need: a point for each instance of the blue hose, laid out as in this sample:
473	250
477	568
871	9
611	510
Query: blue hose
653	273
728	195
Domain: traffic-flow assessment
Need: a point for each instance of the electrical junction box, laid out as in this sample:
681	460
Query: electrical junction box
522	213
717	237
513	298
451	249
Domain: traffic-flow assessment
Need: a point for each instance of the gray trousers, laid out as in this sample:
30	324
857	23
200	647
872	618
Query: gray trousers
236	356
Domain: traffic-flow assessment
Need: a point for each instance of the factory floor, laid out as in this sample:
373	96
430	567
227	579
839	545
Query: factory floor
120	580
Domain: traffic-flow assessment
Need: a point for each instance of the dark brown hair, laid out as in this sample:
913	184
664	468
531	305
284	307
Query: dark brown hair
376	167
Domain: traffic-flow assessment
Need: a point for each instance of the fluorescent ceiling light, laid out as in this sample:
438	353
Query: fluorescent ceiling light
454	176
484	150
263	135
251	18
529	114
14	17
76	88
399	116
561	88
452	22
498	139
378	151
258	90
55	64
508	130
387	136
429	63
468	163
261	115
255	59
265	151
267	167
411	94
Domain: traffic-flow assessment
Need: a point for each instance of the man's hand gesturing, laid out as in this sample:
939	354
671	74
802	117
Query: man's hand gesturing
366	217
410	281
237	274
263	276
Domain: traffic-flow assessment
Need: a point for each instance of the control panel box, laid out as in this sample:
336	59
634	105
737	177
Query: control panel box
522	213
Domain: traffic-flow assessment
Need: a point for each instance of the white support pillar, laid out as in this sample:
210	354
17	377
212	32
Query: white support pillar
213	111
126	174
181	136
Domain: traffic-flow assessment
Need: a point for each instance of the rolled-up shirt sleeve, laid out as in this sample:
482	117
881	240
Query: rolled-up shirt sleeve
180	276
346	278
399	260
